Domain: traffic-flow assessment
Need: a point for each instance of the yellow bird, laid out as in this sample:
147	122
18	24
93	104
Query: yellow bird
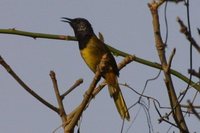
92	50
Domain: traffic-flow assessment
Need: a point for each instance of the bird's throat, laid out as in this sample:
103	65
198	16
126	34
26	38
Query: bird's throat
83	40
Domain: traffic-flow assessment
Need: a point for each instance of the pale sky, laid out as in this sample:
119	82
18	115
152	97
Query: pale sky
126	25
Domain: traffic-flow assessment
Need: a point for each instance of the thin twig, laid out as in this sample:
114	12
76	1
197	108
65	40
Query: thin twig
101	37
26	87
185	31
55	86
187	106
85	101
193	110
163	118
170	59
59	99
176	1
76	84
121	65
194	73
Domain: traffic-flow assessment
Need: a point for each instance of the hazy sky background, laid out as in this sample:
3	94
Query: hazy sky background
126	25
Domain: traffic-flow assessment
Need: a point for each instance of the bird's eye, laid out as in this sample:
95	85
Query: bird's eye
81	27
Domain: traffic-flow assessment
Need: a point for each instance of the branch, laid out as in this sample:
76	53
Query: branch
55	86
170	60
76	84
163	118
187	106
68	122
13	31
74	116
87	96
160	46
194	73
155	65
112	49
187	34
193	110
121	65
59	99
176	1
26	87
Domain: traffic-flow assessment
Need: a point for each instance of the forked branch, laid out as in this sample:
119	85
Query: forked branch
160	46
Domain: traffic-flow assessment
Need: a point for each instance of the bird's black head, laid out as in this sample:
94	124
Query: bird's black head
82	28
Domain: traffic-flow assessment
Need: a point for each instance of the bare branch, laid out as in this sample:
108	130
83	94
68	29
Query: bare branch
101	37
26	87
193	110
185	31
59	99
187	106
160	46
121	65
87	96
170	60
163	118
176	1
76	84
74	116
194	73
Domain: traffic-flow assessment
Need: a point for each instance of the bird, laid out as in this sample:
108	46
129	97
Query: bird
92	49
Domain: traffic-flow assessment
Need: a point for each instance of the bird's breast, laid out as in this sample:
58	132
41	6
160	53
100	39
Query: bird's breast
91	54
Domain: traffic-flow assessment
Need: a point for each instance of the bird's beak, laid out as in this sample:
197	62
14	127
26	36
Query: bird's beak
68	20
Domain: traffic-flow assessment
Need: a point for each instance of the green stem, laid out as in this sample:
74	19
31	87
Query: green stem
36	35
114	50
155	65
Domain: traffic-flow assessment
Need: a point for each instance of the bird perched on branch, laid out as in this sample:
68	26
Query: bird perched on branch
92	50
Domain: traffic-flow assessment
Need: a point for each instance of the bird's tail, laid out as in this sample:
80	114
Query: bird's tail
120	104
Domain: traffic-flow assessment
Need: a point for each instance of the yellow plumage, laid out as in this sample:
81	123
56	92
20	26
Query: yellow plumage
92	55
